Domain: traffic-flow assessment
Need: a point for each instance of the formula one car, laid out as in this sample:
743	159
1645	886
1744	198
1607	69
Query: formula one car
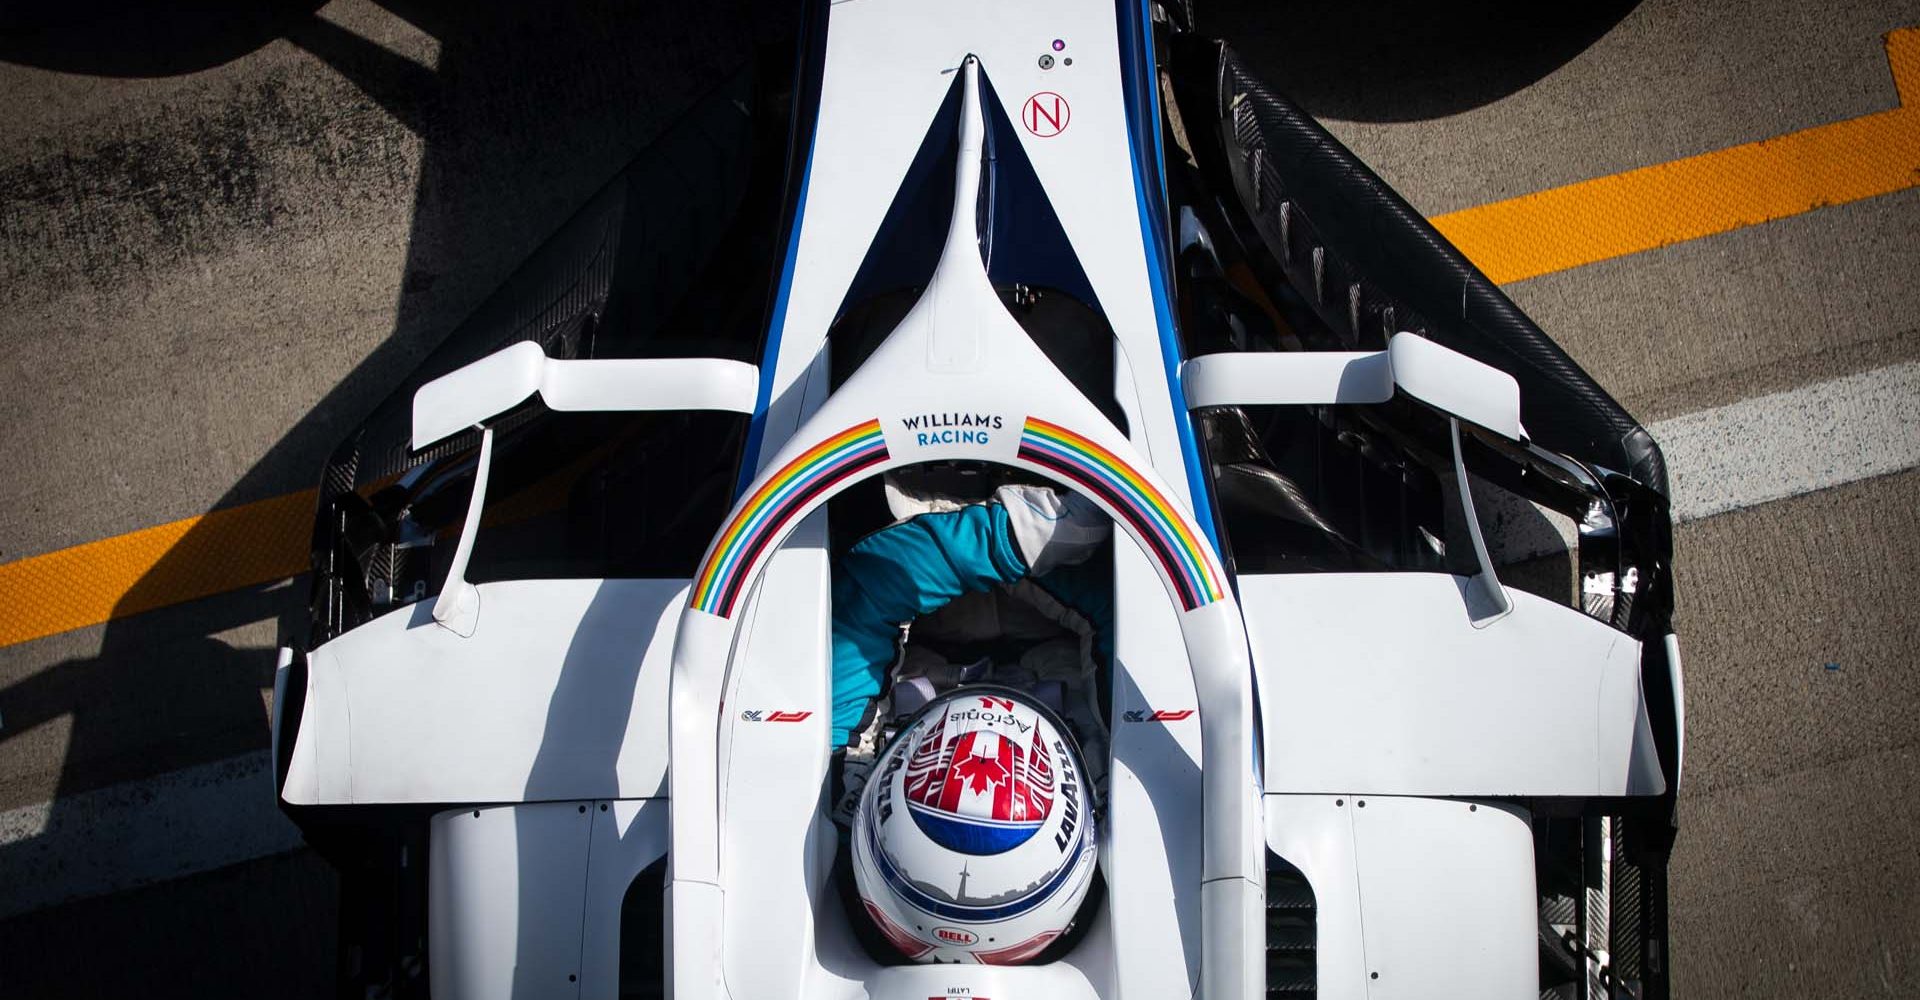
997	503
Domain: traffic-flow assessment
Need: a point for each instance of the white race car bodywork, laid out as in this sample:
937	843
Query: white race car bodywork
1358	725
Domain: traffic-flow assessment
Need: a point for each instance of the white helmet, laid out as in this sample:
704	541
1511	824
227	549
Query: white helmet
974	840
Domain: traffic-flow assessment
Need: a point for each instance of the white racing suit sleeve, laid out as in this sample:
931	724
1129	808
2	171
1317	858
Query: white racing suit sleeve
1052	527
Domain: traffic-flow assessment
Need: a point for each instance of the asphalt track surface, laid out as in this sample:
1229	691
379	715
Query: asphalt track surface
225	235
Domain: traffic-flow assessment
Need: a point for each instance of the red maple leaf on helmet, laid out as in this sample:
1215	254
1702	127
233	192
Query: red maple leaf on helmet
981	773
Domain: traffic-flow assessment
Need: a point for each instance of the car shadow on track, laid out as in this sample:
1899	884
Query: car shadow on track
526	111
1406	60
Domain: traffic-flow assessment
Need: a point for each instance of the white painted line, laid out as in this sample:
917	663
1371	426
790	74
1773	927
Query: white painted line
1815	437
192	820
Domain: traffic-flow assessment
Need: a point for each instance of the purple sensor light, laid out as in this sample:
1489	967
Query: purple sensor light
1059	45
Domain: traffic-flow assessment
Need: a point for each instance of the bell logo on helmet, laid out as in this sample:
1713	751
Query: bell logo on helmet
954	935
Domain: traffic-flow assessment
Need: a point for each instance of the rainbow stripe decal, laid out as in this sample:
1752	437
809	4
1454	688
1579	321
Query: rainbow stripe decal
764	515
1100	473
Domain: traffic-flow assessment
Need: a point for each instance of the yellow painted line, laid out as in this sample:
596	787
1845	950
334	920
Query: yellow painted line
1510	240
154	567
1687	199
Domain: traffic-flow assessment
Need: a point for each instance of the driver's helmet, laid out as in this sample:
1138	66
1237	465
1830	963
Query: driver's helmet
974	840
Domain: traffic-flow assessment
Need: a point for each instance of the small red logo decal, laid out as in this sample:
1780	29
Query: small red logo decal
1157	715
1046	114
762	715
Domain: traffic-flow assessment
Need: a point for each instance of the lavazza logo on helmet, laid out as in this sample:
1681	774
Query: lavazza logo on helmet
997	851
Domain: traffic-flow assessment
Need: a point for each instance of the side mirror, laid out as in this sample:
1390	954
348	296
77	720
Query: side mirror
1458	386
1442	378
469	396
1288	378
505	379
1451	382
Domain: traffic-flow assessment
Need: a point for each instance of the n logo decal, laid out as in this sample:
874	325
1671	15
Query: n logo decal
1045	114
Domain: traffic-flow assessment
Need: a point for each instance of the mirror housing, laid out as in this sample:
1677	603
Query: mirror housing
1440	377
503	380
